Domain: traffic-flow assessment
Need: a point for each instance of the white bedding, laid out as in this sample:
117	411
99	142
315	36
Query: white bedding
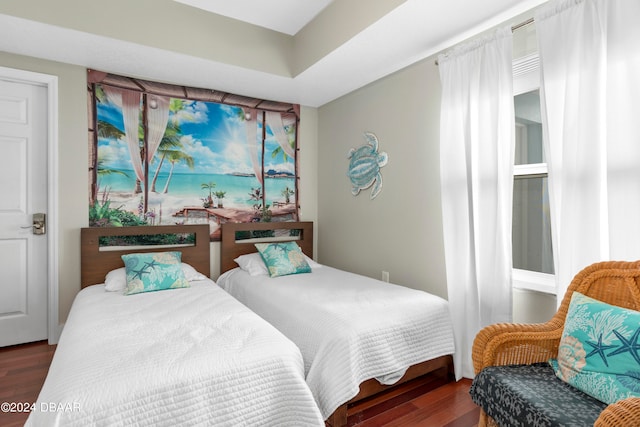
192	356
350	328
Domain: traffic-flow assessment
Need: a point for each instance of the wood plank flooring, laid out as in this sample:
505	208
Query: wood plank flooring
428	402
23	369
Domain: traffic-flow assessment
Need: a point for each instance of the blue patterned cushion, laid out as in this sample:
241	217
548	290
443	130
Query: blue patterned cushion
153	271
532	396
599	351
284	258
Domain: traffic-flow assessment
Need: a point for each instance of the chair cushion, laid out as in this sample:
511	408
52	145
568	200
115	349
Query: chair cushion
532	395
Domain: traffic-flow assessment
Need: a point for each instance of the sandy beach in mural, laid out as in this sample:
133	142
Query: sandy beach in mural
162	205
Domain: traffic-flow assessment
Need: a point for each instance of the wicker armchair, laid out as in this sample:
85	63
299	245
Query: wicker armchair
614	282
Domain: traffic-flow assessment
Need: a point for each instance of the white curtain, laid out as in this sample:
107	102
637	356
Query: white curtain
590	60
276	124
476	162
251	130
129	102
157	119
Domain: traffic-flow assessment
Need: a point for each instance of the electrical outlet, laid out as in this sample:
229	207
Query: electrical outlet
385	276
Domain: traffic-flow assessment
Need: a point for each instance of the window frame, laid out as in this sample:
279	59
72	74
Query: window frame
526	78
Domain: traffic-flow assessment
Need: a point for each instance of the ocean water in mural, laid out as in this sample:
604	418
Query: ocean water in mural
188	186
202	162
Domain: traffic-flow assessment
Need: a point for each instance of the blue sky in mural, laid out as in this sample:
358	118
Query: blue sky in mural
213	134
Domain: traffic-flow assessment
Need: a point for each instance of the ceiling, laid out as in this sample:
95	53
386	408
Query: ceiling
264	13
413	31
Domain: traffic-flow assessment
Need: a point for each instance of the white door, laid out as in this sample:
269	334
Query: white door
23	192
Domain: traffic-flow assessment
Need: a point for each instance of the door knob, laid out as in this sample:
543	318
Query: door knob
39	225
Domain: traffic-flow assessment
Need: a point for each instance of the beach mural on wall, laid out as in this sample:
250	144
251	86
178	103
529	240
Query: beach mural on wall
167	160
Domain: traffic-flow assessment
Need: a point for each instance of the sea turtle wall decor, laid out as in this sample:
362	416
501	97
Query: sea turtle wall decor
364	166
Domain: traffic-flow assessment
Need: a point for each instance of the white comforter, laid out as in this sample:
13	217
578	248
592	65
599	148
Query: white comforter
350	328
192	356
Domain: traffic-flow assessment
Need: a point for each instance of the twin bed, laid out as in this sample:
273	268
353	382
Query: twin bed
197	355
187	356
358	336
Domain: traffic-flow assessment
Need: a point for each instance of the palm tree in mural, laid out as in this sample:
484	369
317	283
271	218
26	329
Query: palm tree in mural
107	131
241	115
209	186
174	157
105	170
179	111
287	193
291	133
171	141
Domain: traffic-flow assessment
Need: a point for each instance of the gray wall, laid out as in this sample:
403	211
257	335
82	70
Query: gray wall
400	231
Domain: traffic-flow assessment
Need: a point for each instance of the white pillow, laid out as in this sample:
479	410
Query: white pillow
191	274
255	266
116	280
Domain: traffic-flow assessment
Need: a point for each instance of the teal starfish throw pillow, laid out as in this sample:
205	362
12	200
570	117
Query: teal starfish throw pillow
283	258
599	351
153	271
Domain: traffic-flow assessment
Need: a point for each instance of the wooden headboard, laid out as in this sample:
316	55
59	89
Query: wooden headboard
231	248
96	263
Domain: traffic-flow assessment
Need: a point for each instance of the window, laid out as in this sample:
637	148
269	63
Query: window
531	233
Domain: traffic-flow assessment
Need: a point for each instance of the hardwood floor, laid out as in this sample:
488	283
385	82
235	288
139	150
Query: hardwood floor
23	369
428	402
423	402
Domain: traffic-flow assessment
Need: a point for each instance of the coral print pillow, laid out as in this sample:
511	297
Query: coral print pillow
599	350
153	271
283	259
